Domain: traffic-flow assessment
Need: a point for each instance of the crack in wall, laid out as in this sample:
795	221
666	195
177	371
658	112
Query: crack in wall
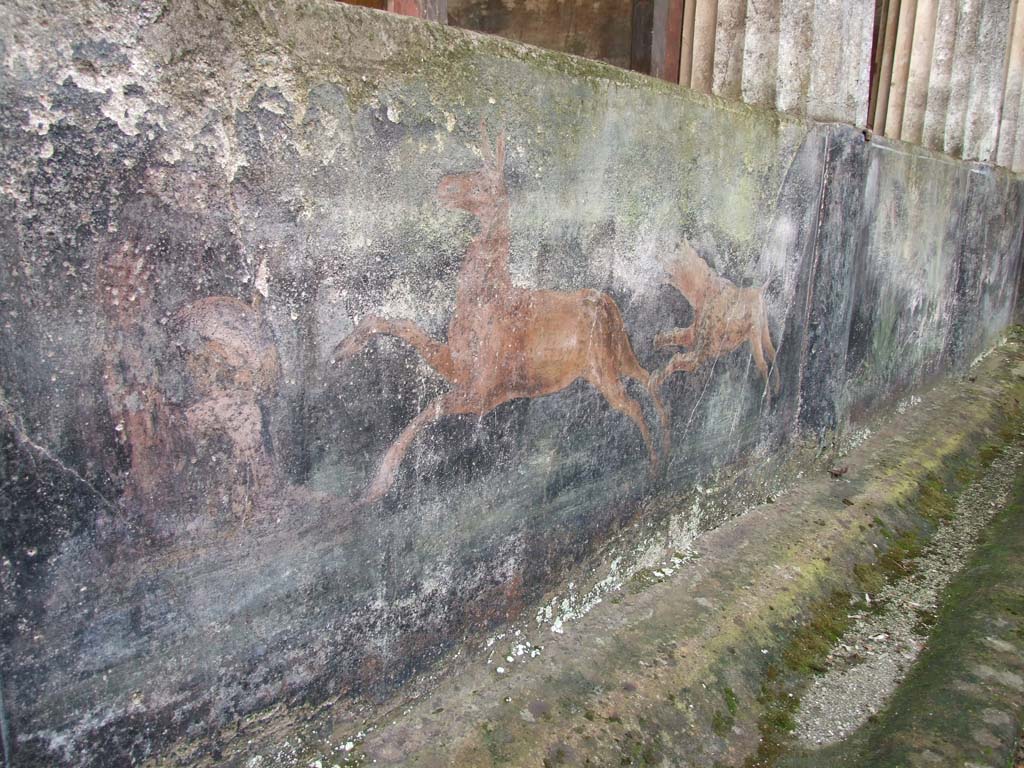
35	449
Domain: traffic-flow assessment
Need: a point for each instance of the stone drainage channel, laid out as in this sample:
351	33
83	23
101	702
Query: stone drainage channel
874	654
852	704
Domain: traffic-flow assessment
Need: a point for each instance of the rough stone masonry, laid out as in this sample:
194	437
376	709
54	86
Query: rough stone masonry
328	340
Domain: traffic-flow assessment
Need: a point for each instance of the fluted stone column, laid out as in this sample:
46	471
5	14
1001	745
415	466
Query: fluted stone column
1012	91
1018	149
859	31
920	71
969	19
796	37
727	80
885	70
943	48
900	69
705	23
825	93
840	60
761	52
686	45
984	102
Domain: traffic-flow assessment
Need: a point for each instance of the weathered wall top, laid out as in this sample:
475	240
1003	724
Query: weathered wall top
331	338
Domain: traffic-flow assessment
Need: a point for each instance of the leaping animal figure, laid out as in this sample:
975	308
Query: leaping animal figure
506	342
724	317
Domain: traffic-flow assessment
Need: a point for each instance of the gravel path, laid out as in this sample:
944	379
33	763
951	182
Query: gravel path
875	653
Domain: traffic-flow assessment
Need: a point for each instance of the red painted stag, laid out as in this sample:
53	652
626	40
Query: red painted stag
506	342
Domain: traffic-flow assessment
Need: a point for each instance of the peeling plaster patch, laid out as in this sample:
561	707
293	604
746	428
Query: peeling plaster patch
907	403
63	742
41	122
230	155
982	356
262	281
400	302
273	106
651	246
124	110
776	258
573	605
855	439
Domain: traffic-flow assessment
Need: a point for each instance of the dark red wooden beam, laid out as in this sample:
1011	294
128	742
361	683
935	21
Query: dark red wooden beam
666	39
431	10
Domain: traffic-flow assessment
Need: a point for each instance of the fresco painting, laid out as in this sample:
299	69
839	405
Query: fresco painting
506	342
725	317
232	360
229	359
147	426
306	383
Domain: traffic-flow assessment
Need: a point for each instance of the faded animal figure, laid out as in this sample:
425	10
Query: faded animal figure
724	317
233	363
146	424
506	342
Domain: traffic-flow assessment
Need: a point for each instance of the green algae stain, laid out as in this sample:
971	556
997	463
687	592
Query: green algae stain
805	654
933	708
929	498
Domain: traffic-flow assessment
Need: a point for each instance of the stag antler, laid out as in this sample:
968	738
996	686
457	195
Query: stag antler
494	157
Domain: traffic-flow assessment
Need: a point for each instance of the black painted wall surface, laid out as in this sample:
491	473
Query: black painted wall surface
201	201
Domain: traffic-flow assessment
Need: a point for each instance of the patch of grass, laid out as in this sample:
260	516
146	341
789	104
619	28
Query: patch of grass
869	577
495	741
896	562
925	621
640	751
807	649
779	705
989	453
806	653
925	708
721	723
642	579
731	702
934	502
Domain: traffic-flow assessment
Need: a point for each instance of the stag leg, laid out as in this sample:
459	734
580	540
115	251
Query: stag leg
677	337
759	361
434	353
769	351
448	404
637	372
681	361
611	386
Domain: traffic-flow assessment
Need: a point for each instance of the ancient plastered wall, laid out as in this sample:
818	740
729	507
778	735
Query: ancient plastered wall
221	490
